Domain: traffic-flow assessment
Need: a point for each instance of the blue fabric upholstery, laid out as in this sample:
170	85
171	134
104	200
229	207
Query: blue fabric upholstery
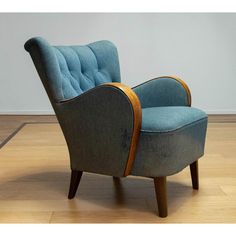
161	92
97	133
164	154
68	71
166	119
169	142
98	121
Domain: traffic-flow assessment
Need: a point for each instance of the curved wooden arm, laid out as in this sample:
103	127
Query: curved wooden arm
137	122
185	86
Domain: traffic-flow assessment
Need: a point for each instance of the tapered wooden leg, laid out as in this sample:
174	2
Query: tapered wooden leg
115	178
194	174
161	195
74	182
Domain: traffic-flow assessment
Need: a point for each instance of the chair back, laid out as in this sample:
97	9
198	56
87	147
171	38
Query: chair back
68	71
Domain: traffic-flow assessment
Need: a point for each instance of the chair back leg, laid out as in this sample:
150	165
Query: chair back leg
74	182
194	175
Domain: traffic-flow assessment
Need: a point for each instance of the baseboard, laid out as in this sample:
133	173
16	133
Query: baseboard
51	112
220	112
222	118
28	112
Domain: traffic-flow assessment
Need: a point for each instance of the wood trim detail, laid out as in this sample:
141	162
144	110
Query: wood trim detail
184	85
74	183
194	175
161	195
137	110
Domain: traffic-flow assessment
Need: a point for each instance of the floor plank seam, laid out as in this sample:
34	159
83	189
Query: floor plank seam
50	218
6	140
9	137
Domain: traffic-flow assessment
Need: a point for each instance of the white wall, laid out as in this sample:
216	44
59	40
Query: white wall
200	48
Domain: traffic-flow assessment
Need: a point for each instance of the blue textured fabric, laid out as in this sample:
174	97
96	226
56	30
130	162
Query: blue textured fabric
98	124
68	71
161	92
166	153
171	138
98	127
166	119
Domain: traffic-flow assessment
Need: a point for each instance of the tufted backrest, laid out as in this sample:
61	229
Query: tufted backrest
68	71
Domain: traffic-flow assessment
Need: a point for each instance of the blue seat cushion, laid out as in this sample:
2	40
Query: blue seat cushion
166	119
171	138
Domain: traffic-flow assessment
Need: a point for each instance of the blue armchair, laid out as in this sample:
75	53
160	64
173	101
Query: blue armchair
150	130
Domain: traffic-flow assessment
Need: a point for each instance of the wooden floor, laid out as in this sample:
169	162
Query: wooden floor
9	124
34	181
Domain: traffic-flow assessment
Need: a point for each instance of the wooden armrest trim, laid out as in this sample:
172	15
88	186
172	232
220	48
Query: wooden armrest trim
137	110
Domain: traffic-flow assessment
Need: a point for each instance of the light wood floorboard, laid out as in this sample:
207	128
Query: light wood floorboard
10	123
35	172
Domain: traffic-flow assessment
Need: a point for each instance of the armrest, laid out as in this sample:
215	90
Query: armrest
163	91
101	127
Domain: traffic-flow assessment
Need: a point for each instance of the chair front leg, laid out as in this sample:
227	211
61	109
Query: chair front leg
74	182
161	195
194	174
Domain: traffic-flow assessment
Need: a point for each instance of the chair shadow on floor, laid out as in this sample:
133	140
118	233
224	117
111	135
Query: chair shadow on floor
129	193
